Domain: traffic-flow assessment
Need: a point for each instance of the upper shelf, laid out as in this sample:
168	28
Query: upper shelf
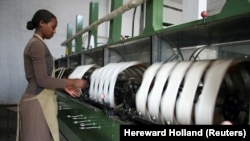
230	29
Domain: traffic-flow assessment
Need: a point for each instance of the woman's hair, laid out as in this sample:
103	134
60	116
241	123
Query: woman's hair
40	15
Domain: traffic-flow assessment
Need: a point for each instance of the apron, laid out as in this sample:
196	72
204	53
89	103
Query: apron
48	101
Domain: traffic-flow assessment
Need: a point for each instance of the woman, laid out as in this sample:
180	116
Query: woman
38	104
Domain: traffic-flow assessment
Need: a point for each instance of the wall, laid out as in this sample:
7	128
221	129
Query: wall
14	15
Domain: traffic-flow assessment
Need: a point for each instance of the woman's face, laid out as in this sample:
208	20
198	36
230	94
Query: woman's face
49	29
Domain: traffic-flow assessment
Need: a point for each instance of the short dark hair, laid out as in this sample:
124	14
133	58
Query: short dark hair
40	15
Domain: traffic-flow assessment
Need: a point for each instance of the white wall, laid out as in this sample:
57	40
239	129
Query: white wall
192	9
172	15
14	15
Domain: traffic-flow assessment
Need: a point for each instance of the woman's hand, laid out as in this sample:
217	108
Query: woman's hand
72	91
74	86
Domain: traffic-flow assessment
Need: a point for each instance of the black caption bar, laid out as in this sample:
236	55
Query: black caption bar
204	132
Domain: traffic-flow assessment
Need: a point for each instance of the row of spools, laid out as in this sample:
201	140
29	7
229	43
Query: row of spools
178	92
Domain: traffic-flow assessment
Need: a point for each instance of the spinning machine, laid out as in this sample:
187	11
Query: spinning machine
197	73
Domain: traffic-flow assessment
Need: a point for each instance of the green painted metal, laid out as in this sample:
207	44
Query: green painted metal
115	23
93	16
154	16
79	27
234	7
69	44
108	128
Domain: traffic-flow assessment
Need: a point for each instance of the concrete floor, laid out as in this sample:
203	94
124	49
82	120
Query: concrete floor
8	123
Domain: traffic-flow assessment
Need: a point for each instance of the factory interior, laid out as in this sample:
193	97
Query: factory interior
196	72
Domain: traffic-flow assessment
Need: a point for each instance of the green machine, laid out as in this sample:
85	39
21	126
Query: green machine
225	35
79	121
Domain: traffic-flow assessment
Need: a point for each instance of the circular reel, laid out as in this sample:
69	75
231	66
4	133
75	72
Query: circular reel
232	103
225	94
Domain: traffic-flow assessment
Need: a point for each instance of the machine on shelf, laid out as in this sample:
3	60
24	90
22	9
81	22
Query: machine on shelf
196	73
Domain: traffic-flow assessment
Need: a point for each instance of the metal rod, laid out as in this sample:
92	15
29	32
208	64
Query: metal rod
171	7
118	11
